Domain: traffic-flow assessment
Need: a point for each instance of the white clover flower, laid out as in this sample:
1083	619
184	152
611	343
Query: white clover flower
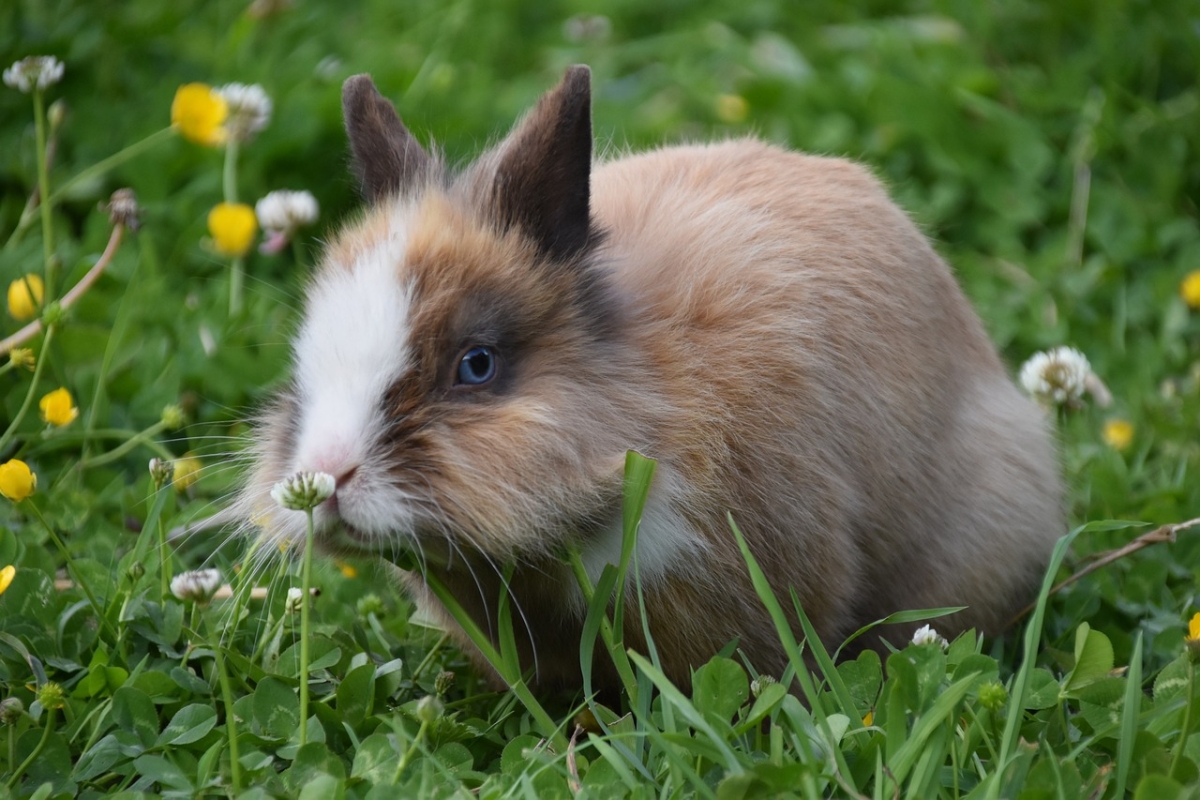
1056	377
304	490
197	586
249	109
927	635
34	72
295	599
281	214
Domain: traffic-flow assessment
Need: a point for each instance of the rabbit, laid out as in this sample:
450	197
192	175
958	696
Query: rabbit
481	348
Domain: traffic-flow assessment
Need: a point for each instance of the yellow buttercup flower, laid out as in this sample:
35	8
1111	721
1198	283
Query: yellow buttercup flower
732	108
186	472
1192	640
25	296
199	113
1189	289
232	227
58	408
347	570
869	719
6	577
1118	433
17	481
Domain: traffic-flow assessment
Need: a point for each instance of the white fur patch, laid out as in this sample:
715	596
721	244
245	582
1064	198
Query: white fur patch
353	345
666	541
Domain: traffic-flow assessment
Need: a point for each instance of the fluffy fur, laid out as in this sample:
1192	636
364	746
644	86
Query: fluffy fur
769	326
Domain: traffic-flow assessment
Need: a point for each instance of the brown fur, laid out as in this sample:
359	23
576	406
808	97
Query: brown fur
768	325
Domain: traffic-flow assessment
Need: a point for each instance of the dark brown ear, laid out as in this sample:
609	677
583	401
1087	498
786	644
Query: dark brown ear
545	168
386	156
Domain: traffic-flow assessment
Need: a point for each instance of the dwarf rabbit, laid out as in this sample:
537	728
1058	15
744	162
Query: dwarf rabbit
482	347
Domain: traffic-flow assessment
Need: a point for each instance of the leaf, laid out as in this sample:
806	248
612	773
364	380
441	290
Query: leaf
513	759
1093	659
375	759
97	759
323	787
719	688
162	772
1159	787
190	724
356	694
276	709
133	711
1044	691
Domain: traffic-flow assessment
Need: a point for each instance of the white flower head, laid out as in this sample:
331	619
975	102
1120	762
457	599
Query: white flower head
197	586
295	599
304	490
1056	377
249	109
927	635
34	72
281	214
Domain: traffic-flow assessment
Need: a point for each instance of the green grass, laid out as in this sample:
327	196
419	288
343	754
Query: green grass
1050	150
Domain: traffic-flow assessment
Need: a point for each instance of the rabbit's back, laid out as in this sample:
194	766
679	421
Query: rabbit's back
831	386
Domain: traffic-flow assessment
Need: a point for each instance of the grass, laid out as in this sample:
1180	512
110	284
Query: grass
1050	150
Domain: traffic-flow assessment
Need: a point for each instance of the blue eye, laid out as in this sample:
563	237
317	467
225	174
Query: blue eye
477	367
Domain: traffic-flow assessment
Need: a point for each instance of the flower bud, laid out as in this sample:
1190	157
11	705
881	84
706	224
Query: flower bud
993	696
294	601
51	696
304	491
197	586
429	709
369	604
172	417
160	472
443	682
11	710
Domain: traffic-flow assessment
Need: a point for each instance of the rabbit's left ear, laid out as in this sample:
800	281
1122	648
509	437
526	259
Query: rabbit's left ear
387	158
542	179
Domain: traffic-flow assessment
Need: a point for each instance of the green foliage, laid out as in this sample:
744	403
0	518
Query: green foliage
1050	150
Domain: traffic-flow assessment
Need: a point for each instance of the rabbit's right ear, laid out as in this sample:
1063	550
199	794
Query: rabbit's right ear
387	158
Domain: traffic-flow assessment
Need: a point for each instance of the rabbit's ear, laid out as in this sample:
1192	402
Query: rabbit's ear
545	166
387	158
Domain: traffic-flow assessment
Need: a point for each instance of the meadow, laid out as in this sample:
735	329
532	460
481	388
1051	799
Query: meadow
1050	150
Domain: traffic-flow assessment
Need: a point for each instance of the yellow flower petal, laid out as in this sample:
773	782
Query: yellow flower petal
232	227
732	108
1189	289
17	481
1194	628
869	719
58	408
6	577
199	113
187	472
347	570
1118	433
25	296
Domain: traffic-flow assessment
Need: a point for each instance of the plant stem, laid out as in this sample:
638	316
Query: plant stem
75	576
237	272
408	753
122	449
164	555
43	357
1185	732
37	751
43	171
305	588
235	766
115	160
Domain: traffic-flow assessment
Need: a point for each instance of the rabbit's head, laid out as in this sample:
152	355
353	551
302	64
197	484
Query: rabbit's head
459	368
